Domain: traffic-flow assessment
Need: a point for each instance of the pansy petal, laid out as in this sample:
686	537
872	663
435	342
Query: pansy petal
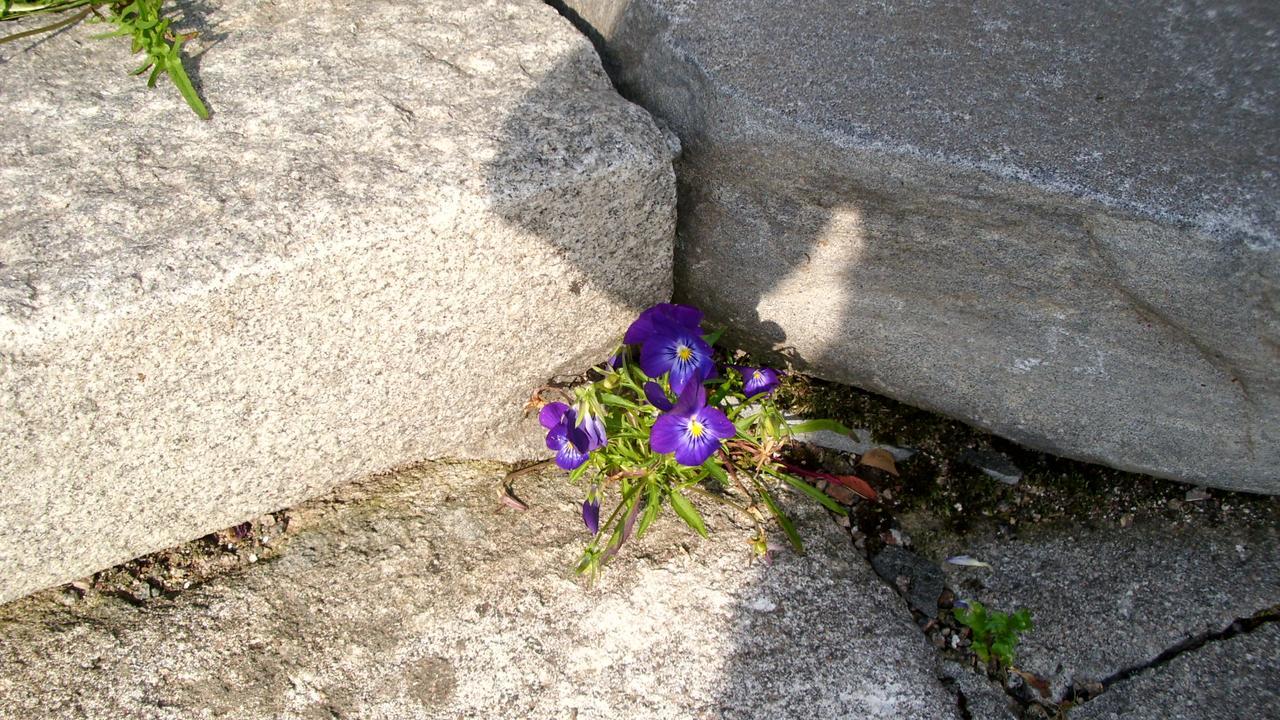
640	330
718	424
692	397
594	430
557	436
654	393
685	316
551	414
666	432
695	451
656	354
570	457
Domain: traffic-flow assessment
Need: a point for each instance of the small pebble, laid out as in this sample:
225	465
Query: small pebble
1197	494
253	558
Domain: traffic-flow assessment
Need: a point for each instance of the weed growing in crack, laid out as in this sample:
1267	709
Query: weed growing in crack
995	634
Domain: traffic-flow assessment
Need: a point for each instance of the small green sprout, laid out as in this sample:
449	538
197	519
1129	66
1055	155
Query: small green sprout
995	634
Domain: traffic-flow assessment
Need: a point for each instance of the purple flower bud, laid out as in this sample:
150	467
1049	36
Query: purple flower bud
593	427
591	514
657	397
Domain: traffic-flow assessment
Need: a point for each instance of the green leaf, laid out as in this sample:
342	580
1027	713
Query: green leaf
611	399
1021	620
787	526
687	512
716	470
813	492
1003	651
653	503
712	337
815	425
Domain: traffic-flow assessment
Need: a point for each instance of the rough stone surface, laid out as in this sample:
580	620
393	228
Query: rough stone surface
983	700
1236	678
1056	222
923	580
402	218
417	596
1106	600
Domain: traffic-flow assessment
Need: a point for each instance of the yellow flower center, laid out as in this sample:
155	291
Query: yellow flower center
757	376
696	429
684	352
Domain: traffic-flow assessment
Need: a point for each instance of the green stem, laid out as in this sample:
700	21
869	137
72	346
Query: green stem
48	28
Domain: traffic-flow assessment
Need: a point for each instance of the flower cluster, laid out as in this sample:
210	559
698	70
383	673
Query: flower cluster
662	421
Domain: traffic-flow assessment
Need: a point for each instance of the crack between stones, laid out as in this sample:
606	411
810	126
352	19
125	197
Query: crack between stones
950	685
962	702
1073	698
1237	627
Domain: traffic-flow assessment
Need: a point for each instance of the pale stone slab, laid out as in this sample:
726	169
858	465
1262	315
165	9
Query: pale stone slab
402	218
419	596
1055	221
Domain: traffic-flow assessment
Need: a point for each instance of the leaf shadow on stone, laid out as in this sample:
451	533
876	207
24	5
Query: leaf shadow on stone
575	161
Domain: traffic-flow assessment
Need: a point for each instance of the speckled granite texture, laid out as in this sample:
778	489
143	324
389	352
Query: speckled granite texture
1058	222
401	219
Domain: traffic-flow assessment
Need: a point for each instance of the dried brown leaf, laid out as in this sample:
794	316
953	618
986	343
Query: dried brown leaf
879	459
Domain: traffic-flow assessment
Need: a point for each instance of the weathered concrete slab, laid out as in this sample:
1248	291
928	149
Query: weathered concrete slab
401	219
1058	222
1237	678
418	596
1106	600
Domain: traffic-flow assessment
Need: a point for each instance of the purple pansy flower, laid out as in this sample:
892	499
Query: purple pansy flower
691	430
667	316
681	352
591	514
758	381
571	441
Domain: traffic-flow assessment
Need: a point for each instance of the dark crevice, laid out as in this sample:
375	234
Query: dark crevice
1239	626
866	550
962	702
590	32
